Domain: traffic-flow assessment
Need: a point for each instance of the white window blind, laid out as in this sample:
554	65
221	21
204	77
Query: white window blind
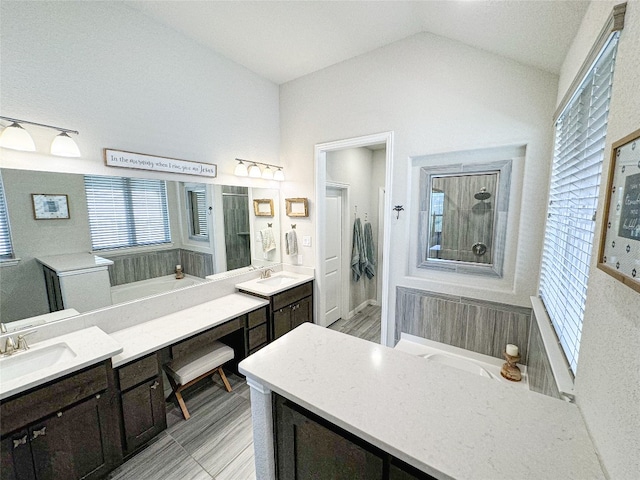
126	212
6	249
577	164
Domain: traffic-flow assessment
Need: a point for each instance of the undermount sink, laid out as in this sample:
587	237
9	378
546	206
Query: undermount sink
459	363
25	362
276	281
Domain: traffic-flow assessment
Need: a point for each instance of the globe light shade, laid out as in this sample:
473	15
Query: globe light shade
17	138
64	146
254	171
267	173
241	170
279	175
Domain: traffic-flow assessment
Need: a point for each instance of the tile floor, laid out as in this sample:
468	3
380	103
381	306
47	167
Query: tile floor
217	441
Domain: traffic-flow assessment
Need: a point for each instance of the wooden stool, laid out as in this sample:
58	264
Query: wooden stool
193	367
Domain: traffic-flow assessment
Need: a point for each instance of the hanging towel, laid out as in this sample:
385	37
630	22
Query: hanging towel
268	241
358	254
292	242
369	248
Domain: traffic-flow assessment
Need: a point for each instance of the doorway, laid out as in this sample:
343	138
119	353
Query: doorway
350	188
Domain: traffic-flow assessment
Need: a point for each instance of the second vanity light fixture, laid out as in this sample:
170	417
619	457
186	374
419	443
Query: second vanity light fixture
254	171
16	137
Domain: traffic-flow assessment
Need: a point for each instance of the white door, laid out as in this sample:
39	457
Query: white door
333	256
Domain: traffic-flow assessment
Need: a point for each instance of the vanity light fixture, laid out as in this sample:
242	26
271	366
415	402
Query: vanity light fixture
254	170
16	137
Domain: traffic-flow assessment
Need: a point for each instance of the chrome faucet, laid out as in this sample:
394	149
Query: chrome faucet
22	342
9	347
266	273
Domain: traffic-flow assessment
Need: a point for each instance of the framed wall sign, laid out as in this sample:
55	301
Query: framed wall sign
50	207
620	242
263	207
141	161
297	207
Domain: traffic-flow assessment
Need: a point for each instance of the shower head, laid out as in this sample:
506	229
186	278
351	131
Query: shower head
482	194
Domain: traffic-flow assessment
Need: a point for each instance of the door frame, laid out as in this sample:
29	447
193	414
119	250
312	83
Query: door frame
344	247
320	151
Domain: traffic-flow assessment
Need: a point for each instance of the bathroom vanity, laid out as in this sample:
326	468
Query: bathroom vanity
390	414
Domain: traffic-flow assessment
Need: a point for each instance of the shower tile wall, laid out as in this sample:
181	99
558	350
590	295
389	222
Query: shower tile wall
483	327
541	378
235	203
144	265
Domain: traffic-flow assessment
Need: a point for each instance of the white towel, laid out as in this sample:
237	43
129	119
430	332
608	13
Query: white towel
292	242
268	240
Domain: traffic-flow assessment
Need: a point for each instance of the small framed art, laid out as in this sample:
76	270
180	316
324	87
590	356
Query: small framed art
50	207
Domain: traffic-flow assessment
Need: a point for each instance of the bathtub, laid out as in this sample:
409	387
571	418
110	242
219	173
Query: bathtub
459	358
152	286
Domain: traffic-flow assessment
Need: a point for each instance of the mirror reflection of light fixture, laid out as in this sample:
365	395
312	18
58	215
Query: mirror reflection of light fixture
241	169
254	171
16	137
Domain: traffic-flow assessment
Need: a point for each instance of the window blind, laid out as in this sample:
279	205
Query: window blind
126	212
6	249
580	138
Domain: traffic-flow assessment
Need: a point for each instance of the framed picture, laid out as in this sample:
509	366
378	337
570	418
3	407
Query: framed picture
620	242
50	207
297	207
263	207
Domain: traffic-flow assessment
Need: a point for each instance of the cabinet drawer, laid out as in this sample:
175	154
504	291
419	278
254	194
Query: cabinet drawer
257	317
138	371
51	398
257	336
292	295
208	337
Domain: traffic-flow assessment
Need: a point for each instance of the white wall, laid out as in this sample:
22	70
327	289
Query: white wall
129	83
436	95
608	374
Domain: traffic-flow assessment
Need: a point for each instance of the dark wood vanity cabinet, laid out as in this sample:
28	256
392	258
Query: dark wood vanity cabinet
142	402
309	447
257	330
291	308
65	429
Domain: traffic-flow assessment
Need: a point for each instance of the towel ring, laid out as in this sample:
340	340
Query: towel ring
269	225
293	226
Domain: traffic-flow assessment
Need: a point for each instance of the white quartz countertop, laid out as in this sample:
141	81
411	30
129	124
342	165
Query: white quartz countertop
147	337
448	423
276	283
87	347
74	261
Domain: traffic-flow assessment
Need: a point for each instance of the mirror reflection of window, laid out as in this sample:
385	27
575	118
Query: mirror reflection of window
197	211
435	225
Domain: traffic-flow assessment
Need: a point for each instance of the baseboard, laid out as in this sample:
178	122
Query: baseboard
360	307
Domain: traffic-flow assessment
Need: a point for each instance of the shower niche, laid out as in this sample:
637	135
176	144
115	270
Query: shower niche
463	217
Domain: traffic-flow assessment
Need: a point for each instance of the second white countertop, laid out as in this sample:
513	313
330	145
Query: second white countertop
448	423
147	337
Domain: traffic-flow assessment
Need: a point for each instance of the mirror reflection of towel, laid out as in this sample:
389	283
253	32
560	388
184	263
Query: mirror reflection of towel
268	240
292	242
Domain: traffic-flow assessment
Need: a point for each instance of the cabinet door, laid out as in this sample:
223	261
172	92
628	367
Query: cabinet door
70	444
309	450
15	454
281	322
143	413
406	472
301	312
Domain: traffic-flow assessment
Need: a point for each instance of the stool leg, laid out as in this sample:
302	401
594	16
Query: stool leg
224	379
183	406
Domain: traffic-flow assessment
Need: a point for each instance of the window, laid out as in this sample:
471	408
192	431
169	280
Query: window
126	212
6	249
196	198
580	139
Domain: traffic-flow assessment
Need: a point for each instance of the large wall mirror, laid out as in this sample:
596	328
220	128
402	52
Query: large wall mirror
206	228
463	217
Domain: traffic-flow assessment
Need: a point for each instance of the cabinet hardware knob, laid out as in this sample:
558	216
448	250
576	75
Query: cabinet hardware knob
39	433
98	396
59	414
20	441
155	385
